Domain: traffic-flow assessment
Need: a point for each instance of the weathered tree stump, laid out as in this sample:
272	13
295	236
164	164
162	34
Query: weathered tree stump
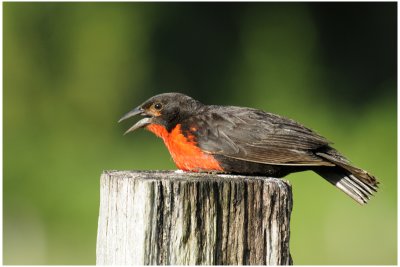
165	217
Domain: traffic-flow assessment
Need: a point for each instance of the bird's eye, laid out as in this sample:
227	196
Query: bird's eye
158	106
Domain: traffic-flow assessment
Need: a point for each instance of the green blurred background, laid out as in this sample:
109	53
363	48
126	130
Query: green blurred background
71	70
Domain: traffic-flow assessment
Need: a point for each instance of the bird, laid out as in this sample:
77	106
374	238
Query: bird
246	141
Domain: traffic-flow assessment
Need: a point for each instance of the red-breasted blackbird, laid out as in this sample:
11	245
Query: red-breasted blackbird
229	139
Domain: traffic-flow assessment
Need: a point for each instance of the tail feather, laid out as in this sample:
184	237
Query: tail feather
355	182
365	189
354	187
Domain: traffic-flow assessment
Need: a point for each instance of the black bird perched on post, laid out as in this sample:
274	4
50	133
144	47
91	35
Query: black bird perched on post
229	139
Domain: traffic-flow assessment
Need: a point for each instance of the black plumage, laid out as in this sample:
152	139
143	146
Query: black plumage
253	142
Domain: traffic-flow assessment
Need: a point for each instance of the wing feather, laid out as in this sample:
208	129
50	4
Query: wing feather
257	136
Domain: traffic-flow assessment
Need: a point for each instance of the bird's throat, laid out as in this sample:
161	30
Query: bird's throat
158	130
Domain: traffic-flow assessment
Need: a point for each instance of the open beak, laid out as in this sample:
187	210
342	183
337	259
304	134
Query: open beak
142	123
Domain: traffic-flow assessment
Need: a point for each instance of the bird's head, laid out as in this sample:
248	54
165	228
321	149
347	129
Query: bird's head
163	109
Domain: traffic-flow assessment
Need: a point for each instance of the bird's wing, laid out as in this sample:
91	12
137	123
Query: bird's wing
257	136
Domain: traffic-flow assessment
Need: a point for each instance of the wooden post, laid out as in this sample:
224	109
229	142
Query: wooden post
170	218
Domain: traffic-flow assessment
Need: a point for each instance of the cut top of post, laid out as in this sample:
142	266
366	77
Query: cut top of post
189	176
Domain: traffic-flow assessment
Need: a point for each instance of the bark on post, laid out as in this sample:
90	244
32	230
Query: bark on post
164	217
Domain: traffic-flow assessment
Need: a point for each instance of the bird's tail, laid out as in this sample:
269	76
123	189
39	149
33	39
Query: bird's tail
355	182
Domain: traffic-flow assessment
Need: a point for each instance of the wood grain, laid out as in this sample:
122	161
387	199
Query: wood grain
170	218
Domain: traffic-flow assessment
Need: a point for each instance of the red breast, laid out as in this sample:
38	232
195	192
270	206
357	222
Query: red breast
184	150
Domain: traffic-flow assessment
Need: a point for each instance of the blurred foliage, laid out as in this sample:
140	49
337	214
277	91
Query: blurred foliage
72	69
